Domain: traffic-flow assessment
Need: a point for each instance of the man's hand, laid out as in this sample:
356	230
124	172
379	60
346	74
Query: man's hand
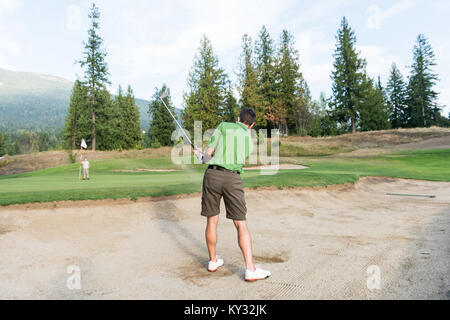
204	157
198	153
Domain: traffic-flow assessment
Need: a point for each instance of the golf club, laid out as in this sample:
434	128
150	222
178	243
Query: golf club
179	125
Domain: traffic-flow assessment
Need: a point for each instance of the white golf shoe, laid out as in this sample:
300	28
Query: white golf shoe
256	274
214	265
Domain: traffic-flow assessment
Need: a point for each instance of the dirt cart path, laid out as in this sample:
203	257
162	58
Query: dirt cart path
318	244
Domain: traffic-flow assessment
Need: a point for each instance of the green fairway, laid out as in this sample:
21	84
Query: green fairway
423	164
127	178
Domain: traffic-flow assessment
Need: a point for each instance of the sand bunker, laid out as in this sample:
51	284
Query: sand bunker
318	244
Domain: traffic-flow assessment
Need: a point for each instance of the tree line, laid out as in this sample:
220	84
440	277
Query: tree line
359	102
13	142
269	80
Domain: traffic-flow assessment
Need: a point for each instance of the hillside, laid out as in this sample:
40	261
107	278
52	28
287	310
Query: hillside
29	100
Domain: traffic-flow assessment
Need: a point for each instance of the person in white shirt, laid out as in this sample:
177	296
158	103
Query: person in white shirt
86	166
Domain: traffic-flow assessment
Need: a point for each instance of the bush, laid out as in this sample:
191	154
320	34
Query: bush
72	157
155	144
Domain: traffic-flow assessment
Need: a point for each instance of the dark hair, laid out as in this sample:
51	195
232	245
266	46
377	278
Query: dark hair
247	116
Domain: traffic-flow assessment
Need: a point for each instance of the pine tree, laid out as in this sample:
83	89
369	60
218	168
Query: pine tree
423	110
396	98
161	123
288	83
206	89
319	117
374	111
266	76
107	122
95	71
302	108
348	77
130	123
78	105
122	129
230	110
248	80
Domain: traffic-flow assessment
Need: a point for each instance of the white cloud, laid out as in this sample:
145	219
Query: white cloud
8	45
443	68
315	50
376	15
397	8
7	6
315	11
444	98
158	42
379	61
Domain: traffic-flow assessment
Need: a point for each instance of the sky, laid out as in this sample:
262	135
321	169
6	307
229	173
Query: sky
151	43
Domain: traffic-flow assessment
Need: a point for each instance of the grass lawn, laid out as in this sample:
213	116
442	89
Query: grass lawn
419	164
62	183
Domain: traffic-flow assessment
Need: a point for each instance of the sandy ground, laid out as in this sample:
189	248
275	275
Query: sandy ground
317	242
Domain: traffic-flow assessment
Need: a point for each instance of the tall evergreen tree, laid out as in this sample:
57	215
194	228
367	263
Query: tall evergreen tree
73	129
423	109
302	108
110	129
291	88
248	79
396	98
265	67
121	128
374	111
206	84
130	121
123	125
230	110
348	76
95	71
161	123
107	122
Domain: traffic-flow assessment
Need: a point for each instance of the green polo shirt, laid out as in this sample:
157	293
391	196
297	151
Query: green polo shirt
233	145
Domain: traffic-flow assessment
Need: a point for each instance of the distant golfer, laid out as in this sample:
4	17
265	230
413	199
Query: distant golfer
226	153
86	166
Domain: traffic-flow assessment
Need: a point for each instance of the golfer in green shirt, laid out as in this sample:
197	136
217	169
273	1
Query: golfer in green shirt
225	153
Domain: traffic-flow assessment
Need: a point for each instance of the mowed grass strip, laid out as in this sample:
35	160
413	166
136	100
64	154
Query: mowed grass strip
110	182
431	165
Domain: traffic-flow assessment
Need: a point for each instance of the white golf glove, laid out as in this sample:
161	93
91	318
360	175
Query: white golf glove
199	154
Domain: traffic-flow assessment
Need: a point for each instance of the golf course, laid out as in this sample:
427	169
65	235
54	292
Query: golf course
132	178
335	207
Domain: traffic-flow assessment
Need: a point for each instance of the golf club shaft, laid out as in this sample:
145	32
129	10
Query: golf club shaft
179	125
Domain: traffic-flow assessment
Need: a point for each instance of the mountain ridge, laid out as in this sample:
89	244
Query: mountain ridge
34	100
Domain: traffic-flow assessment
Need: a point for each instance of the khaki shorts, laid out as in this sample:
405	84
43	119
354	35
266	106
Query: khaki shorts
218	184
